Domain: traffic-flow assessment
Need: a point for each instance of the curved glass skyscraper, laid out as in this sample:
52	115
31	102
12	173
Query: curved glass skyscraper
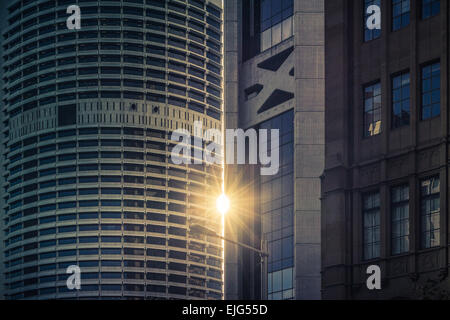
87	121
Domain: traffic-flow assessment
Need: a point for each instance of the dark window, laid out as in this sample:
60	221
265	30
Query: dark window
400	219
430	212
430	8
431	91
401	100
400	14
371	226
67	115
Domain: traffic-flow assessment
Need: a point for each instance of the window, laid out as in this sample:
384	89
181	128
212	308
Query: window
372	110
276	22
374	33
400	14
400	100
67	115
431	91
371	226
430	8
400	219
430	212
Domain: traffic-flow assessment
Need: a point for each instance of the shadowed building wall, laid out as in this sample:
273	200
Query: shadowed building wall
385	185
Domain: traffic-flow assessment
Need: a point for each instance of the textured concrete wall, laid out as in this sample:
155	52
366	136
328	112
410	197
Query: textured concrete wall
231	57
309	143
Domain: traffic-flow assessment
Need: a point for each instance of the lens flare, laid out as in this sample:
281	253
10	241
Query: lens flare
223	204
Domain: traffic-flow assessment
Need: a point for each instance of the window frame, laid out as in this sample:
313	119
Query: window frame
428	197
401	15
366	86
422	5
431	90
402	99
371	210
396	204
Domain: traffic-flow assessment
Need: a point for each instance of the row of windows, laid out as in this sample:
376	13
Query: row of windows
159	253
127	239
136	47
193	269
126	215
152	264
114	22
195	40
172	65
134	71
134	35
117	191
173	172
105	203
153	133
129	10
94	143
154	193
212	109
150	133
127	251
105	215
114	275
401	11
156	3
118	239
177	255
171	290
136	144
113	167
430	99
175	89
429	219
117	275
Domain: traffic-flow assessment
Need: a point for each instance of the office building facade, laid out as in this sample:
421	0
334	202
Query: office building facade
87	118
274	80
385	185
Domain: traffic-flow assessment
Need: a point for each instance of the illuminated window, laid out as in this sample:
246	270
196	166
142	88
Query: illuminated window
372	110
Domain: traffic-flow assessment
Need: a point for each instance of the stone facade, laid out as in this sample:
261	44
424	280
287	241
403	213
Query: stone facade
398	156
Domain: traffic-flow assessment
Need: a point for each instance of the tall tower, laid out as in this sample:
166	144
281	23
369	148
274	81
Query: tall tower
275	80
87	122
